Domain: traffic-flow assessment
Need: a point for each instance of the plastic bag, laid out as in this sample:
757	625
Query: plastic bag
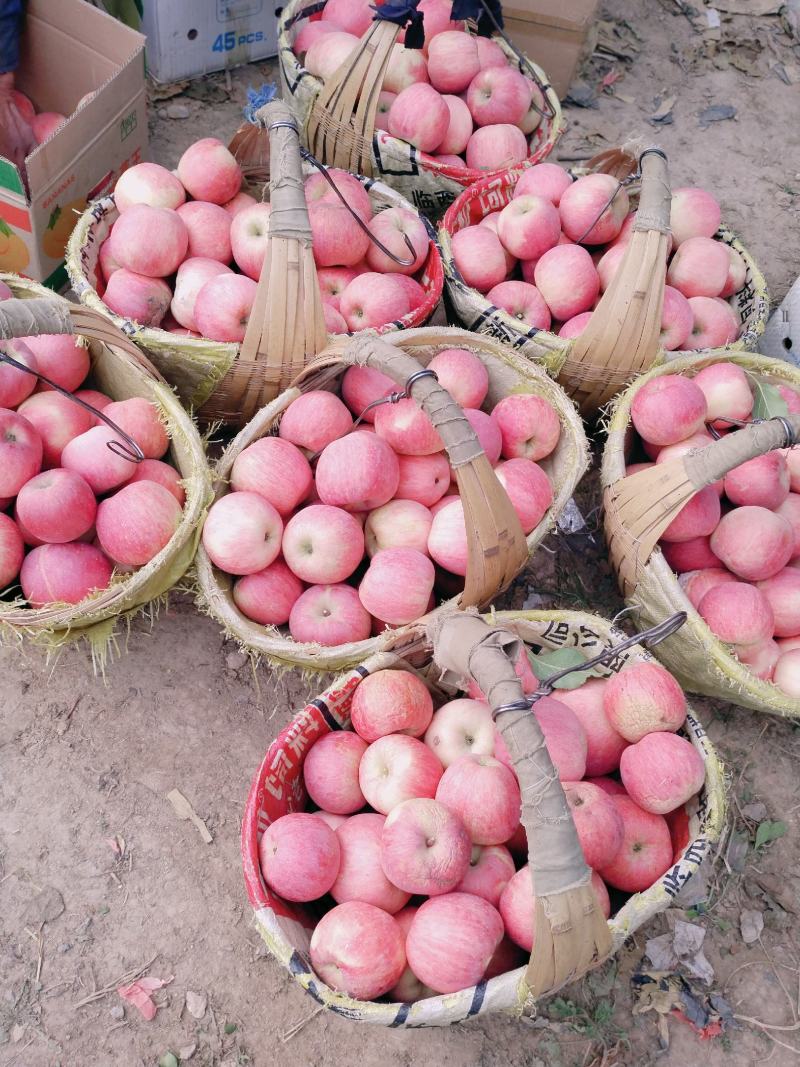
16	136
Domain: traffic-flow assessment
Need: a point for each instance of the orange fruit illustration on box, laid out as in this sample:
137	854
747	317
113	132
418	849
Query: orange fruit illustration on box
14	255
59	227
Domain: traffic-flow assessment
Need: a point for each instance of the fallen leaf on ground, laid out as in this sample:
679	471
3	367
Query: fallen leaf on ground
716	113
45	907
751	923
196	1004
138	994
184	810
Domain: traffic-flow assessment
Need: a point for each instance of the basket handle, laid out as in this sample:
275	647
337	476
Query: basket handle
709	464
497	549
570	931
42	315
286	322
621	340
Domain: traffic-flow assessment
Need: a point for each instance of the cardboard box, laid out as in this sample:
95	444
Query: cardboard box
552	33
187	38
69	49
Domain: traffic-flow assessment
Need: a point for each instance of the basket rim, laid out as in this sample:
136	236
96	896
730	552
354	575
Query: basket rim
546	338
462	176
329	658
503	988
741	682
104	604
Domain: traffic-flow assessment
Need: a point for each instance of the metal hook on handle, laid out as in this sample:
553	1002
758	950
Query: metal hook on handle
649	638
390	398
309	158
637	174
788	429
129	450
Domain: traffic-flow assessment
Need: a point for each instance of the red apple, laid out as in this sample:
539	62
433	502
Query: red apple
395	768
529	425
485	795
604	745
423	478
358	950
646	850
360	875
668	409
329	615
268	596
460	728
753	542
330	772
661	772
222	307
597	822
358	472
56	506
57	420
12	550
391	702
137	523
148	183
16	384
322	544
242	533
20	452
490	869
451	941
64	574
149	240
425	848
299	856
137	297
209	171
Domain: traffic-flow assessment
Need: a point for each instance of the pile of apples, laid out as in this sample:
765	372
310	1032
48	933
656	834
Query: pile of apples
314	504
417	855
548	256
736	544
170	256
43	123
458	100
81	513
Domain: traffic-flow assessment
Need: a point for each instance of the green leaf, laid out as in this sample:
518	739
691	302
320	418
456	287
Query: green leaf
769	831
552	660
230	1028
767	402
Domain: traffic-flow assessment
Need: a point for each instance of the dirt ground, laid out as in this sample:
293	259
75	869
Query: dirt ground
98	877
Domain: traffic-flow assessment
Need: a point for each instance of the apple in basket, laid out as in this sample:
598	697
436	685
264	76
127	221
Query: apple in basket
568	238
447	827
737	570
202	217
67	488
357	525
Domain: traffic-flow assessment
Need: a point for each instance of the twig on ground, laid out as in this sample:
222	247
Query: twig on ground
124	979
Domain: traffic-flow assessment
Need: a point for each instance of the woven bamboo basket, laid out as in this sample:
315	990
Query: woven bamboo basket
701	662
555	856
230	382
339	124
495	556
122	372
621	340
